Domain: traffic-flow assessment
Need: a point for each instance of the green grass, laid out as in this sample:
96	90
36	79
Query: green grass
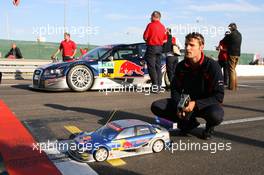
245	58
35	50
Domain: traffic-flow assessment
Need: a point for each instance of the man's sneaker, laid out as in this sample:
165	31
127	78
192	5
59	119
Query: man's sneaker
207	133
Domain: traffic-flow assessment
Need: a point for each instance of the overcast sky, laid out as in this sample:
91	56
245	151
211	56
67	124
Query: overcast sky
124	21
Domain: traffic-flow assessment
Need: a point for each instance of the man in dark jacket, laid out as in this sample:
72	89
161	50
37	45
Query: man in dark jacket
201	78
14	52
233	41
171	58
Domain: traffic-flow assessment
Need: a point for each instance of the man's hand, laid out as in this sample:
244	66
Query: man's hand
190	107
181	114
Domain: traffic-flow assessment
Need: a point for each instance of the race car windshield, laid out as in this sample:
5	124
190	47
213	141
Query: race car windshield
95	54
107	132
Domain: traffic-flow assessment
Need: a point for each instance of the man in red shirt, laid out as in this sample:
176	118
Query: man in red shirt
155	36
67	47
223	57
83	51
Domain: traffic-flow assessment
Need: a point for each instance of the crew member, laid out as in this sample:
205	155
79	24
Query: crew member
155	36
67	47
201	78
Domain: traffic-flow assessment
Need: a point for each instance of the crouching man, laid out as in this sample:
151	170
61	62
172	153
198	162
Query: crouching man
201	78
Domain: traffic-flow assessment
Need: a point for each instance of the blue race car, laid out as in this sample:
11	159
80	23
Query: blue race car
120	138
104	67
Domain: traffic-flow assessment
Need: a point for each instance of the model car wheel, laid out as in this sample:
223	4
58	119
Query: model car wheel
101	154
158	146
80	78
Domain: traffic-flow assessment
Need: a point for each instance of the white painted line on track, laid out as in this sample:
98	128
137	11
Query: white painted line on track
228	122
66	165
246	85
72	167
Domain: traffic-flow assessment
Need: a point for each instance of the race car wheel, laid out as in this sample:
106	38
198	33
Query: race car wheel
158	146
80	78
101	154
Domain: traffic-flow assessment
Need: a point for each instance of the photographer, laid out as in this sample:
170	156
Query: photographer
201	78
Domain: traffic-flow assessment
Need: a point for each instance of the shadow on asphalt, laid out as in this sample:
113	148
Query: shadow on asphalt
21	86
240	139
243	108
104	115
26	87
108	169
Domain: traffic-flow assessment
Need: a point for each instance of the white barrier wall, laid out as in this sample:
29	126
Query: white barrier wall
20	68
23	69
250	70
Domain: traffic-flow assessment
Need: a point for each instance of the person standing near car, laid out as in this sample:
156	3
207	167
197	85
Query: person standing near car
67	47
233	41
201	78
171	58
155	36
223	57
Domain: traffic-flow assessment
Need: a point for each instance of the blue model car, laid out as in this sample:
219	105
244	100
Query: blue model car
111	66
120	138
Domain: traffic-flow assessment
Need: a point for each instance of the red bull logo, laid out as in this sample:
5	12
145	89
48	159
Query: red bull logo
128	68
127	144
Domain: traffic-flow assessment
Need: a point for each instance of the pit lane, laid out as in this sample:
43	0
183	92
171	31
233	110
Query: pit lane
46	114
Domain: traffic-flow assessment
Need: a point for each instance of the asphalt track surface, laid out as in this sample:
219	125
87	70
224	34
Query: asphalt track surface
46	114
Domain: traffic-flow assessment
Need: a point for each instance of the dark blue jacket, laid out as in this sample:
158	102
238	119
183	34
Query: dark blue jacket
204	84
233	41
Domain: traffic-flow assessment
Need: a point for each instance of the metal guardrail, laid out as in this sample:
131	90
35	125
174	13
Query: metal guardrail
19	69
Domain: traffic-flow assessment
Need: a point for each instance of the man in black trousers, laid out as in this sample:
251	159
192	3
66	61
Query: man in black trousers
201	78
155	36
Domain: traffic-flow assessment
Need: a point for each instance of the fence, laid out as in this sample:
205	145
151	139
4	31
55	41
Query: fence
19	69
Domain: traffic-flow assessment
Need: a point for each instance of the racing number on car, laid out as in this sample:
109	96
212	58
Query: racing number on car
107	72
106	69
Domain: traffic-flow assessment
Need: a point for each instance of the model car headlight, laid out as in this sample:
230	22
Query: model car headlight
53	72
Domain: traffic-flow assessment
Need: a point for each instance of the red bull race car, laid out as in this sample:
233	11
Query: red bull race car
112	66
117	139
